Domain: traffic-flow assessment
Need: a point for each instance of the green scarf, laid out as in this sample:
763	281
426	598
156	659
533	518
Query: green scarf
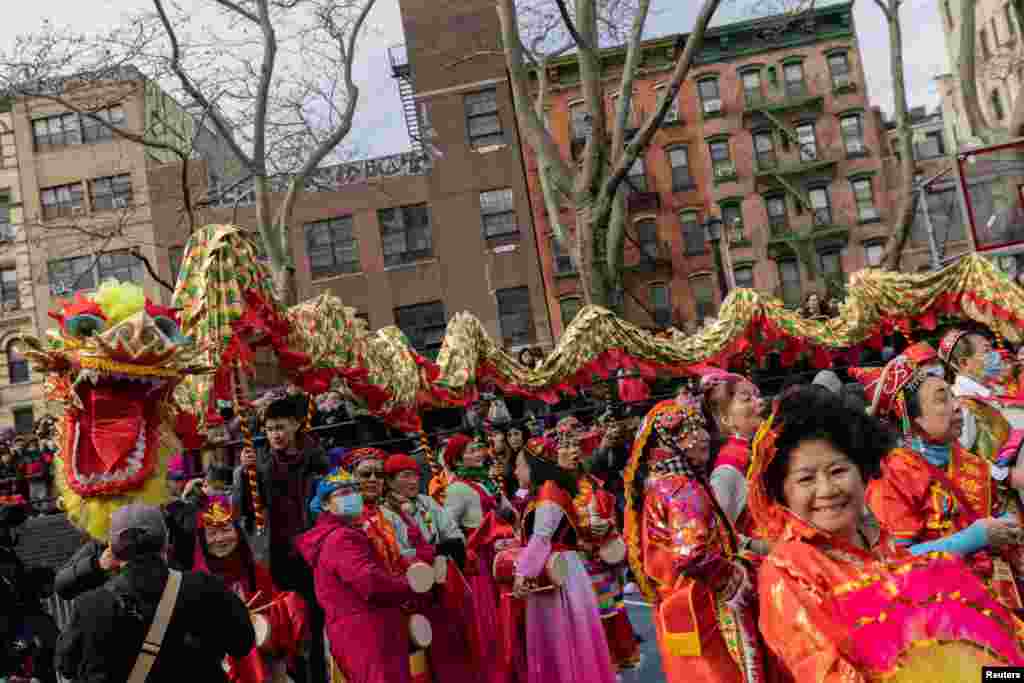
479	475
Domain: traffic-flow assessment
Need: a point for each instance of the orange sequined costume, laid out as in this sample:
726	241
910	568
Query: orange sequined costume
832	612
683	553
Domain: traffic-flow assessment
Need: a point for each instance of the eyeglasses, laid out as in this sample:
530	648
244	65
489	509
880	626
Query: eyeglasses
367	475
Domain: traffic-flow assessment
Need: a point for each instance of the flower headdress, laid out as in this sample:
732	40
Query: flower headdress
337	479
218	512
887	387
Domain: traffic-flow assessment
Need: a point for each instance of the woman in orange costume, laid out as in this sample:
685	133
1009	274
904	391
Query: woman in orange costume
933	495
683	552
840	601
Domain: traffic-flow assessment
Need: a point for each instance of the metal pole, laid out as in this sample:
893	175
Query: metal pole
933	247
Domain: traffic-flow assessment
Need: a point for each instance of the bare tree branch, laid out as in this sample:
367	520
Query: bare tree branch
569	25
151	270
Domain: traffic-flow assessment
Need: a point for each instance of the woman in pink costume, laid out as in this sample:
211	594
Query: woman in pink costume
565	642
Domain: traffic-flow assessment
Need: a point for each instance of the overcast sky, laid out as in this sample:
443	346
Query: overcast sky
380	128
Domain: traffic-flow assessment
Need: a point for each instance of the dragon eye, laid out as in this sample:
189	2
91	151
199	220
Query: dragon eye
85	325
167	327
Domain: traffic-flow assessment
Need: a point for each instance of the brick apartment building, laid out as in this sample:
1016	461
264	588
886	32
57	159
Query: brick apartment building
412	239
772	132
74	200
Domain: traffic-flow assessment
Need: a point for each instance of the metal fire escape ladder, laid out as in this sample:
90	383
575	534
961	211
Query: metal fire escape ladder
402	72
784	130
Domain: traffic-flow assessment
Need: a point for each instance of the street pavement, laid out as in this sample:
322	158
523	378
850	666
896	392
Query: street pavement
640	614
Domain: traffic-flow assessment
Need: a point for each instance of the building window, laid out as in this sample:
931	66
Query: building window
732	220
873	253
752	93
839	68
514	315
721	161
711	101
24	420
568	308
986	51
661	305
482	119
946	219
423	325
176	255
405	234
562	258
69	275
821	206
1011	28
997	104
793	76
56	131
61	201
832	266
92	128
776	208
17	365
679	159
672	115
332	247
789	276
113	192
121	266
9	288
808	143
6	227
744	277
498	213
637	176
647	237
864	195
764	149
933	145
579	119
693	234
853	134
703	296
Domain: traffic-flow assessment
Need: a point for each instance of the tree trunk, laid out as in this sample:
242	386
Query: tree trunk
967	73
903	220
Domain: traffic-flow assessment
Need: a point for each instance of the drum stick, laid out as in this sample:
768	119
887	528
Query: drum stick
266	606
254	599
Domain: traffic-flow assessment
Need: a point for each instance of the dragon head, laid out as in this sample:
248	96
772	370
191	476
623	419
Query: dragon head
113	362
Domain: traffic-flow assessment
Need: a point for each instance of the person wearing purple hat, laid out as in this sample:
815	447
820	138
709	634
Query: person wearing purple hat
204	623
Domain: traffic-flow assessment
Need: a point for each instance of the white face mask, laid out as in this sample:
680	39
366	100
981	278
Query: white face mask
347	505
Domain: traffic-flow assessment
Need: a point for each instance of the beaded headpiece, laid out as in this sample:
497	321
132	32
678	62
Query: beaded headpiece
886	387
351	460
948	345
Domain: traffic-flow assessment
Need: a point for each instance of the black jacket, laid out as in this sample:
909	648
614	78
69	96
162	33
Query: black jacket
108	625
81	573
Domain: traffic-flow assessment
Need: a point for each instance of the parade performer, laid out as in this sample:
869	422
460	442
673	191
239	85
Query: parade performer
468	500
360	581
840	600
279	618
684	553
933	494
971	364
449	607
732	407
601	546
565	641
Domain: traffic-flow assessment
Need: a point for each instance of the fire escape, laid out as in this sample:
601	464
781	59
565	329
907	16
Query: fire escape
401	70
790	158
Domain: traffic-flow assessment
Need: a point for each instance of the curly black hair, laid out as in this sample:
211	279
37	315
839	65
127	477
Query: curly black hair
805	414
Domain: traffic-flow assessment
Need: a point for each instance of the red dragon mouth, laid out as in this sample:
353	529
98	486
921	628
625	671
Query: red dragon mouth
113	438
